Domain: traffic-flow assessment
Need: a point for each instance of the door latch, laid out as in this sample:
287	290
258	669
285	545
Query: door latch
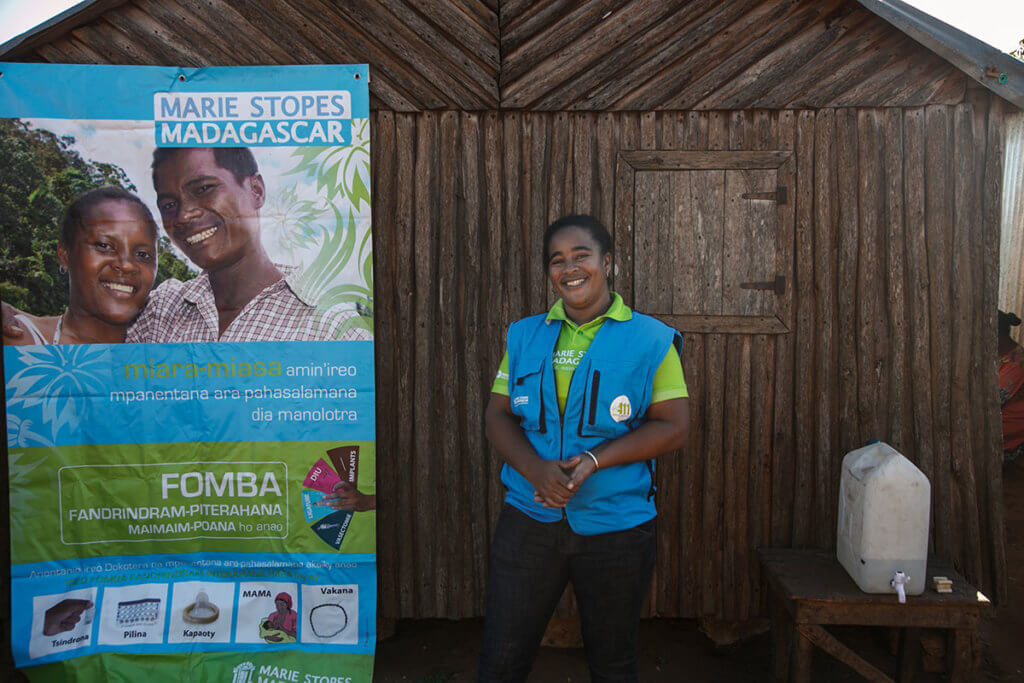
778	285
778	196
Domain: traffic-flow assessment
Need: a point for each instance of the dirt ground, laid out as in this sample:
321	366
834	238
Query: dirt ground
438	651
671	650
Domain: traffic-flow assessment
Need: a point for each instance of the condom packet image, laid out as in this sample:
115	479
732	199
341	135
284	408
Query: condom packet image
321	477
346	461
332	528
314	507
201	610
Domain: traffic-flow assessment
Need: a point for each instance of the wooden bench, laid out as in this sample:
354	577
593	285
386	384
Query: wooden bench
811	590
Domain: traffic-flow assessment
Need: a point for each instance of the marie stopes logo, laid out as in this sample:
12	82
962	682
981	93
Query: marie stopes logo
243	672
246	672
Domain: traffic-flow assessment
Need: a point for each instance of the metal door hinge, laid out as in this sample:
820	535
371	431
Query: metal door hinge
778	285
778	196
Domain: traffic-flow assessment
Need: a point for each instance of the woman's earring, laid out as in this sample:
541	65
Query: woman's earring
63	270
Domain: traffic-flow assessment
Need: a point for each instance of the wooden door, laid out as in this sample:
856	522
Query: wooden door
704	242
709	253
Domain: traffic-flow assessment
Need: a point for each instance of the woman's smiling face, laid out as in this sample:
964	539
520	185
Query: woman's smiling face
112	262
579	273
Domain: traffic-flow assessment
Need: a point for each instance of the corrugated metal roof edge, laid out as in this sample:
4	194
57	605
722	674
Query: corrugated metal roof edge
962	50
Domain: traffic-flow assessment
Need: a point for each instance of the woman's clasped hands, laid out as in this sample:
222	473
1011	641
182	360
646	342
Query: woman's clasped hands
557	481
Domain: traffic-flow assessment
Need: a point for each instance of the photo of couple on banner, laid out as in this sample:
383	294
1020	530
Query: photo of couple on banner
209	202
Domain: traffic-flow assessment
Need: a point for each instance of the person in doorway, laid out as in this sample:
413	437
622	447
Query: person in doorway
107	250
586	396
1011	381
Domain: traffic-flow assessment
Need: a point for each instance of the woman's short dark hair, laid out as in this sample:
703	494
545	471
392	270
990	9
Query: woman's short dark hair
74	217
591	225
238	160
1006	321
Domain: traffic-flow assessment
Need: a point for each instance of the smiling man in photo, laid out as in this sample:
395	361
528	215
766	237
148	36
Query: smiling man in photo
209	200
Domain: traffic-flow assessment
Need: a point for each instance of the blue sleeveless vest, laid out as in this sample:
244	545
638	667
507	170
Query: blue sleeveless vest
609	395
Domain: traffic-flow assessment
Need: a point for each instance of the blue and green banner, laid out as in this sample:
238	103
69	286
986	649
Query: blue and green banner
187	279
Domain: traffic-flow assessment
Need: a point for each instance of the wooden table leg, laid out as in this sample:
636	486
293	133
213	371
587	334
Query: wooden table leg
910	654
827	642
895	640
963	664
802	658
782	640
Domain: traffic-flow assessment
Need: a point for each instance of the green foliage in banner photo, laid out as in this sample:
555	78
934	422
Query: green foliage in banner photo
276	666
330	229
40	174
96	501
336	250
169	266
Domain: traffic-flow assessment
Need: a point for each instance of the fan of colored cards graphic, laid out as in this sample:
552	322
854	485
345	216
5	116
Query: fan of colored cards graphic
328	523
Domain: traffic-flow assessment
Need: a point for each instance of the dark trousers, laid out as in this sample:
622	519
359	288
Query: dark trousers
531	562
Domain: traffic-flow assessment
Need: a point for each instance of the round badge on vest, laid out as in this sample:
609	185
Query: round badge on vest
621	409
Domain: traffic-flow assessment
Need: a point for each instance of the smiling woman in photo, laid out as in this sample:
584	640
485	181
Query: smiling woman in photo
108	251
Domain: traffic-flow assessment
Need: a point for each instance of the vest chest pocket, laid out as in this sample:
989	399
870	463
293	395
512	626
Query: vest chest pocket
615	399
526	393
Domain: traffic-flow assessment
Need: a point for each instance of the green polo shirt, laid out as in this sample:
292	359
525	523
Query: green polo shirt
573	342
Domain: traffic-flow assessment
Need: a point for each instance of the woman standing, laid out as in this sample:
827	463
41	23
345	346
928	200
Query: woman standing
586	396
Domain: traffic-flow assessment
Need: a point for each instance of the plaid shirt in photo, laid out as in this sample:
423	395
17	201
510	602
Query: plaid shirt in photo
186	312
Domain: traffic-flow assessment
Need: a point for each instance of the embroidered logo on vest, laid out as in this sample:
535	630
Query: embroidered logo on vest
621	409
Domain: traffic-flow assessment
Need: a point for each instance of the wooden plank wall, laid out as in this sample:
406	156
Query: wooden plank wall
896	240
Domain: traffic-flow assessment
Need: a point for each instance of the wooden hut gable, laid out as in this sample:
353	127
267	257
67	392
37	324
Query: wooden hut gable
540	55
702	54
424	55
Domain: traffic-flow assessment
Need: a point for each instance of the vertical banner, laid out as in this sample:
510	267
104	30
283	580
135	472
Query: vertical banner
190	405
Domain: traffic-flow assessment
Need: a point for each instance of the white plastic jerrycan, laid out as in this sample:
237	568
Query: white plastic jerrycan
884	512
